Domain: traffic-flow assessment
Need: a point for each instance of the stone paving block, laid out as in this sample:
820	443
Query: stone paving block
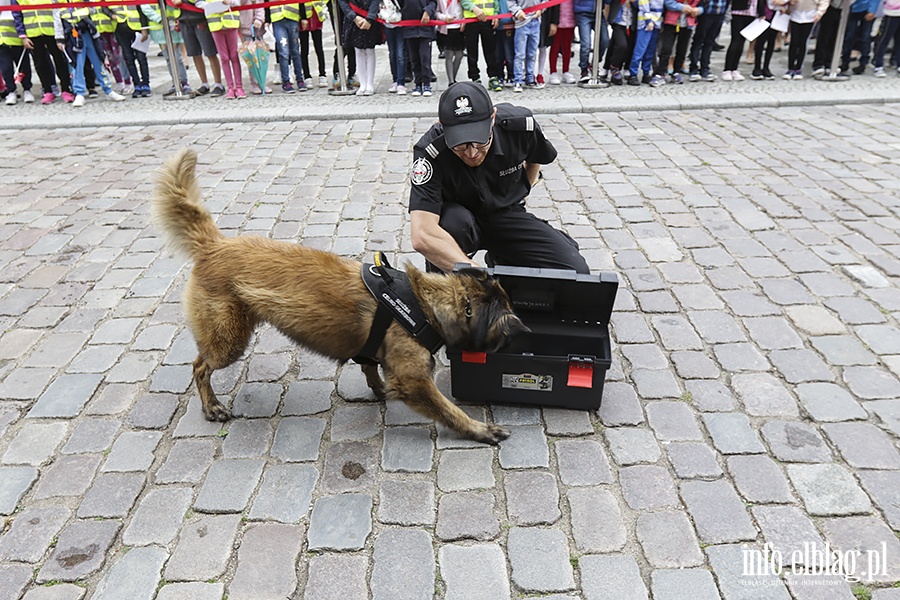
540	560
297	439
256	400
80	550
187	462
355	422
174	379
886	594
759	480
352	385
882	339
631	328
349	467
191	591
135	574
828	490
285	494
655	384
614	576
683	584
692	460
870	383
740	357
516	415
888	412
620	406
7	418
878	558
800	366
463	515
14	482
247	438
91	435
582	462
473	572
460	470
60	591
789	531
32	532
884	489
268	367
14	578
727	563
340	522
793	441
68	476
66	396
676	333
593	534
115	398
648	487
337	577
399	413
406	502
532	498
407	449
773	333
829	402
717	511
266	562
229	485
35	443
764	396
525	448
842	350
26	383
448	438
863	445
732	433
632	445
153	411
158	517
111	495
307	397
668	540
710	396
672	421
644	356
564	422
404	566
203	548
132	451
57	349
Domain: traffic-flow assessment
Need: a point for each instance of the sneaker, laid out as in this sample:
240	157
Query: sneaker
517	88
768	75
857	70
539	80
554	79
78	101
475	81
277	79
633	80
788	76
757	75
202	90
11	99
49	97
128	89
736	76
694	77
646	78
426	91
417	91
401	90
568	78
186	90
879	72
818	71
531	85
585	76
146	92
727	76
217	90
115	96
709	77
797	76
239	94
494	85
353	81
308	82
676	78
27	97
335	83
229	95
323	82
360	92
844	69
92	94
657	81
509	83
393	88
68	97
138	92
301	86
288	88
616	77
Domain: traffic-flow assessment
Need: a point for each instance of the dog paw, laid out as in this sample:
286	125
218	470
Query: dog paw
491	434
216	412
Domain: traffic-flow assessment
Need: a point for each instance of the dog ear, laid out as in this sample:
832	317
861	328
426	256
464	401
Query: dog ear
510	325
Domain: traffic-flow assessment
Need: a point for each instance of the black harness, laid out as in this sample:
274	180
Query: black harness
396	302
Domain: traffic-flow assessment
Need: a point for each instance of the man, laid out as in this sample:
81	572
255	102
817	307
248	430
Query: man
470	176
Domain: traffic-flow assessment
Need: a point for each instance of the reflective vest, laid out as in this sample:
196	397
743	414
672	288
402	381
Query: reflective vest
319	6
225	20
103	22
486	5
37	22
285	11
8	35
73	15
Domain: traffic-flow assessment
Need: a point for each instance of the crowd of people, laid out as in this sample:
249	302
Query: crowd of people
76	50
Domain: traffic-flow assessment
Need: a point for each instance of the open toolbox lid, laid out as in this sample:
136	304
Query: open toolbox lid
558	295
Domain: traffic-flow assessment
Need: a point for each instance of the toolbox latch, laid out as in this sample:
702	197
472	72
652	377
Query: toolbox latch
581	372
478	358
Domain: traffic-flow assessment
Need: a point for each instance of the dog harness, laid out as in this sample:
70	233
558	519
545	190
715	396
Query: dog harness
396	302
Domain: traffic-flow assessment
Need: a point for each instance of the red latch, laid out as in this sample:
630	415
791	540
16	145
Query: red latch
581	372
474	357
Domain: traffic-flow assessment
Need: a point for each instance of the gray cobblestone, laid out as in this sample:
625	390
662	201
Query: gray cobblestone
590	533
32	533
62	591
132	451
337	577
786	529
764	396
187	462
693	460
247	438
349	467
407	503
297	439
257	400
866	535
463	515
726	562
476	572
759	479
14	578
66	396
340	522
111	495
404	566
829	402
631	445
884	489
14	482
307	398
732	433
158	517
35	443
683	584
407	449
710	396
285	494
448	438
564	422
135	575
540	560
526	447
718	513
25	383
352	385
191	591
68	476
153	411
672	421
355	422
694	365
80	551
582	462
676	333
796	442
113	399
871	383
620	406
616	575
91	435
668	540
828	489
465	469
532	498
203	548
229	485
265	564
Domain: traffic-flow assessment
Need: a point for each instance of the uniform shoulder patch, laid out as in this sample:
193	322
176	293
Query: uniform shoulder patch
421	171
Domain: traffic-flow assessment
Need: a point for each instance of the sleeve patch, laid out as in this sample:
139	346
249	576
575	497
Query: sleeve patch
421	171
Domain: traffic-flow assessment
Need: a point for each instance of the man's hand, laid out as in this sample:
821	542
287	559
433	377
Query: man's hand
431	241
479	14
533	173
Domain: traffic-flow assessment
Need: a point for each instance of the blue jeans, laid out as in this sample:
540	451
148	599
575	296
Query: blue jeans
644	49
78	83
506	52
858	35
527	38
396	44
287	45
584	22
890	29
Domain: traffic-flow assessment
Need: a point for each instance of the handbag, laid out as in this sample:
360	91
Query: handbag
389	11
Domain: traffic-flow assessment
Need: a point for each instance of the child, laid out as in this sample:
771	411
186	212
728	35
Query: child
451	36
198	42
859	35
396	47
253	22
157	34
708	26
12	52
312	16
286	27
648	24
224	29
39	27
79	34
363	33
890	30
804	14
418	42
562	44
105	23
483	29
679	20
130	22
549	25
826	37
765	43
585	18
505	45
528	35
743	12
618	44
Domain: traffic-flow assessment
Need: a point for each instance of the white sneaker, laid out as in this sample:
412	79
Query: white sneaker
78	101
11	99
879	72
736	76
28	97
517	87
128	89
727	76
116	96
323	82
308	82
554	79
401	90
569	78
797	76
277	79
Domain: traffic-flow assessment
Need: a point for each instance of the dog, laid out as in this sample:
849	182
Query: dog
318	299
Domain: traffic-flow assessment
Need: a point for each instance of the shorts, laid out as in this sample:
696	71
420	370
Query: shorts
197	38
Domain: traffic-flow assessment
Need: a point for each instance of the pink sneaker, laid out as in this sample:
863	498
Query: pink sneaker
48	98
229	95
239	93
68	97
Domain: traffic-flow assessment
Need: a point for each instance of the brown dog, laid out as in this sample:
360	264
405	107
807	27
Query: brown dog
319	300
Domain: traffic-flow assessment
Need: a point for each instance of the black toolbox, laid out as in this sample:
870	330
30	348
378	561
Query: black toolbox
563	361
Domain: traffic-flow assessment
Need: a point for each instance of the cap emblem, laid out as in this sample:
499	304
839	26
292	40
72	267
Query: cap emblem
463	107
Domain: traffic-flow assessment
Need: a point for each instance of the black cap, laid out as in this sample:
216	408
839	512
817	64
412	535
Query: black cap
465	111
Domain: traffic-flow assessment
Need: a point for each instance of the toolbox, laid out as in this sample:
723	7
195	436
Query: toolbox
563	361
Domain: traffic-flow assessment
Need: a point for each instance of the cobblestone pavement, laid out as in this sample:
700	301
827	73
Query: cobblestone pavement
752	404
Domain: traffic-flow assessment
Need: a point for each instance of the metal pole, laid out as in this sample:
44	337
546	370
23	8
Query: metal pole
839	45
595	82
170	50
338	47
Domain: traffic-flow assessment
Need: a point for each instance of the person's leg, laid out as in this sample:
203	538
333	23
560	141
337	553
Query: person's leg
865	43
390	38
124	38
320	51
736	47
425	60
650	52
699	35
304	53
853	25
400	77
889	30
79	85
585	24
797	49
471	35
7	68
371	66
234	42
643	39
221	42
488	46
412	51
682	44
825	39
519	62
709	42
566	36
100	73
665	45
294	48
532	69
280	30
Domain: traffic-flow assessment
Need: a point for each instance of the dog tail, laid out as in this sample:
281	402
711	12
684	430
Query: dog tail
178	209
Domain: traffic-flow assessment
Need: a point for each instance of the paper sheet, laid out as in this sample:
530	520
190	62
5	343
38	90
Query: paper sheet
214	8
137	44
781	21
754	29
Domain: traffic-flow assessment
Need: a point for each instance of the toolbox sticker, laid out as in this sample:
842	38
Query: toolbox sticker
527	381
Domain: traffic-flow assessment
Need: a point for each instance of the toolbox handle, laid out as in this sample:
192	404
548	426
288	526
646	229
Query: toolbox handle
581	372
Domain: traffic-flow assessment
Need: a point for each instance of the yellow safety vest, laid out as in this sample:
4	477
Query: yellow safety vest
8	35
225	20
285	11
37	22
102	21
73	15
320	6
486	5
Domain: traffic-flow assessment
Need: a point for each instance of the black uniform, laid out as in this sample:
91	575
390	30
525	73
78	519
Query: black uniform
483	207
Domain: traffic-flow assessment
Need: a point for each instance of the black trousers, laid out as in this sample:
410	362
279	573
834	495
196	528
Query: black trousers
765	44
797	49
620	47
45	49
513	237
681	40
708	27
736	47
317	46
825	39
483	30
419	52
9	57
135	60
